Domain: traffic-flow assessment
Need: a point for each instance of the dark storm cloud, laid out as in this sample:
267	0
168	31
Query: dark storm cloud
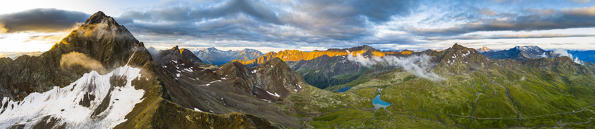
538	20
42	20
345	20
307	21
189	14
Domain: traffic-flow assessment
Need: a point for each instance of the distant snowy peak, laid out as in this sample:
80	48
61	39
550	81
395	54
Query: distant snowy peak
484	49
519	53
534	52
218	57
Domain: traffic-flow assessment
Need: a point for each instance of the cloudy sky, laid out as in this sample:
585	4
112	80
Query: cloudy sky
270	25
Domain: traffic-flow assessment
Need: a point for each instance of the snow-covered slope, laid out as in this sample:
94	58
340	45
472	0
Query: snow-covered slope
92	101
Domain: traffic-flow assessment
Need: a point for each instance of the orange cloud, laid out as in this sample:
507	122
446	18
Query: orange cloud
3	28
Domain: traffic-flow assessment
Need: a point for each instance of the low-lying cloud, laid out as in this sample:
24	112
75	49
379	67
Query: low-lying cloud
562	52
76	58
418	65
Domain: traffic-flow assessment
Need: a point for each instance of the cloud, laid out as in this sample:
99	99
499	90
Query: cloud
3	29
545	19
188	14
509	36
419	65
75	58
310	21
562	52
40	20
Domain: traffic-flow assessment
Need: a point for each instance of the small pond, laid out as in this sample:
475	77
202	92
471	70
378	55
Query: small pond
379	103
343	89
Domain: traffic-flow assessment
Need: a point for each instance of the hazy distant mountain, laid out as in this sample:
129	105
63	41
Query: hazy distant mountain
218	57
519	53
535	52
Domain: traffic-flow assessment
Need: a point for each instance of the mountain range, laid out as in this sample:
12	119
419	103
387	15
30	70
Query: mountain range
101	76
218	57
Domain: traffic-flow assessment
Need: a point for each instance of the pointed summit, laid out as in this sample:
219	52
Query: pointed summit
100	17
458	46
102	38
178	54
460	55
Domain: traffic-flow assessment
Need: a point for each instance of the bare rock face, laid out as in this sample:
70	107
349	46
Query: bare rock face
100	38
458	59
233	87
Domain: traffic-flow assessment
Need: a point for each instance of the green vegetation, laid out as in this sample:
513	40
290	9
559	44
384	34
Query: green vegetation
560	95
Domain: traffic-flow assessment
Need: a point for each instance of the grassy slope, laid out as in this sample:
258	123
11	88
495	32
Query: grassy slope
494	98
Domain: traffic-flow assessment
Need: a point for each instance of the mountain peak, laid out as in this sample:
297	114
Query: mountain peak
357	48
458	46
103	39
484	49
363	47
100	17
519	53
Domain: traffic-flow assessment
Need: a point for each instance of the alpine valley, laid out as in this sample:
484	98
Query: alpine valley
101	76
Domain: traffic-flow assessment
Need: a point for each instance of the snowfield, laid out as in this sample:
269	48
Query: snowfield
64	104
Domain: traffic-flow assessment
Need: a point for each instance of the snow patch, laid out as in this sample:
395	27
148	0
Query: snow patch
275	94
188	70
208	84
266	100
63	103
